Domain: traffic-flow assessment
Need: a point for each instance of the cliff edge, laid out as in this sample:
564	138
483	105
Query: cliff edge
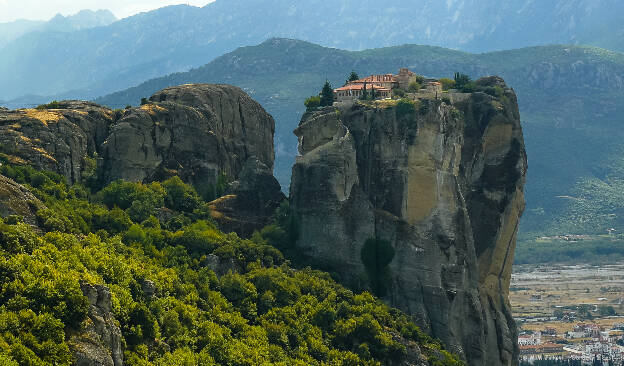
419	202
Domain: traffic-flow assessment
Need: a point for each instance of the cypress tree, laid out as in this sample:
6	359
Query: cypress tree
364	93
327	95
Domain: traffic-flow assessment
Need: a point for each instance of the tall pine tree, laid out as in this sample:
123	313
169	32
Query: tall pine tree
353	77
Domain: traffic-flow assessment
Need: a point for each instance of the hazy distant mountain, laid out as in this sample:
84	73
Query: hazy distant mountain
101	60
82	20
16	29
570	99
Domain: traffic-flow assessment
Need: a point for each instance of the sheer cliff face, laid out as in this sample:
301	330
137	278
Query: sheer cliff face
441	190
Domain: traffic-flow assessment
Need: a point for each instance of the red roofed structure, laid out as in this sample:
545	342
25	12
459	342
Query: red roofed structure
355	90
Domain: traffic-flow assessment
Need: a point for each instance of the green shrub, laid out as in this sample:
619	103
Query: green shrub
180	196
400	93
405	108
461	80
414	87
447	83
313	102
52	105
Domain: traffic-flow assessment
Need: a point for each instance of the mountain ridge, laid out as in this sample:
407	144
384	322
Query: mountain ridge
177	38
83	19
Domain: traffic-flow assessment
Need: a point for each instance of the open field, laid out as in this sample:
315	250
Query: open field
538	291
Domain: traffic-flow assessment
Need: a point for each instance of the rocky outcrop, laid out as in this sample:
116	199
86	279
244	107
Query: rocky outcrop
430	200
100	342
16	200
249	202
201	133
194	131
59	138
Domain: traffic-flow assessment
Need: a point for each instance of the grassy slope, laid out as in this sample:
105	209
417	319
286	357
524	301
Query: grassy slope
570	100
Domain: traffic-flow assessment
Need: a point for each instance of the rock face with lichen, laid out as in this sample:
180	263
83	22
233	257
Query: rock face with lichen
64	140
420	205
194	131
249	202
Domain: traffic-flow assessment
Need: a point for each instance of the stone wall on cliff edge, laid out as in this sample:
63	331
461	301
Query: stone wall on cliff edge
438	193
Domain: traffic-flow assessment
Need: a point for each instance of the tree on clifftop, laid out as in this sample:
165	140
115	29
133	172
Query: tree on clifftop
327	95
353	76
461	80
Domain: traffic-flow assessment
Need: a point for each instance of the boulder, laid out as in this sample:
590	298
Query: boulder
197	132
16	200
249	202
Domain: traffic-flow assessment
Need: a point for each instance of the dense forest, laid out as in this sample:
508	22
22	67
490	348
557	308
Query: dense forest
252	308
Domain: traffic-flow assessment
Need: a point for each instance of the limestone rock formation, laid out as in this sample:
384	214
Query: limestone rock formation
194	131
250	201
60	138
100	342
16	200
437	193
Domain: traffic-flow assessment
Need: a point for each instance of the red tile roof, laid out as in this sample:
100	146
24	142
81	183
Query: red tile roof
361	87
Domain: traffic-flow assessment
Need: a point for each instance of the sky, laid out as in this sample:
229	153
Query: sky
11	10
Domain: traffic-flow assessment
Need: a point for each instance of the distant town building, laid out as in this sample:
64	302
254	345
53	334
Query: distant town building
536	297
434	87
545	348
533	339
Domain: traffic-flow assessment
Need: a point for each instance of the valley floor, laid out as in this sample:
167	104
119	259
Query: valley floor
569	311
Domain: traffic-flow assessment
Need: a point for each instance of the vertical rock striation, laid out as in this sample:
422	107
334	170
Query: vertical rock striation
438	191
